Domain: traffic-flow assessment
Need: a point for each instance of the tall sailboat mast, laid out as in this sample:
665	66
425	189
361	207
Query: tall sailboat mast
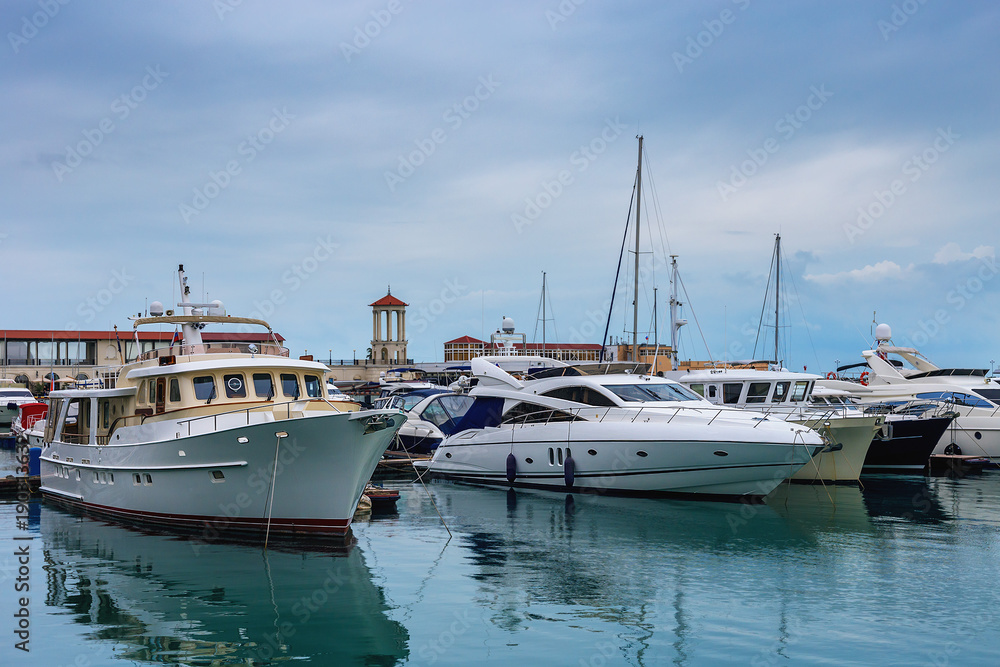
635	293
543	313
777	295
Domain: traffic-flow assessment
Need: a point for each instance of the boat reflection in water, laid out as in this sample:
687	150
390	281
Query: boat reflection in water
172	600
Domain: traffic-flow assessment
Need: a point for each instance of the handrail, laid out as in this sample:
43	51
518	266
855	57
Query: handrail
266	349
522	420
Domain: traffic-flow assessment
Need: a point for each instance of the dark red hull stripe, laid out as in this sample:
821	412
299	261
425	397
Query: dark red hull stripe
278	525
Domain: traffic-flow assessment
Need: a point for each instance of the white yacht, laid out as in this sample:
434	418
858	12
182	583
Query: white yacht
217	438
617	433
901	374
11	396
786	395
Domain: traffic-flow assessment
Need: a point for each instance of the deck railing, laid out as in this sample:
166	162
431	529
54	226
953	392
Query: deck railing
215	348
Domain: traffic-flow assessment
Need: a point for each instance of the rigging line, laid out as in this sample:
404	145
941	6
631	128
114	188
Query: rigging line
687	298
664	240
798	298
614	289
767	291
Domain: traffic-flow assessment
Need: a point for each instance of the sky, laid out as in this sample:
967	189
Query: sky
301	158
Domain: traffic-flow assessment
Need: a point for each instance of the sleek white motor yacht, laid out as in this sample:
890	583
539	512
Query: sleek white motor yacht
973	396
219	438
616	433
786	395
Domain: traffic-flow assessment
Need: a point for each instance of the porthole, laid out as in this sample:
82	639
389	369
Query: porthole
641	453
218	476
592	452
136	479
528	460
719	452
147	478
979	436
447	455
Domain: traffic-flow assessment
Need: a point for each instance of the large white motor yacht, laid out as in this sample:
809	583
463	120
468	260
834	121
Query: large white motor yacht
617	433
218	438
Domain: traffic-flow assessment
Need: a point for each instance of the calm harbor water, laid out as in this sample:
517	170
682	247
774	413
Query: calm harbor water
904	572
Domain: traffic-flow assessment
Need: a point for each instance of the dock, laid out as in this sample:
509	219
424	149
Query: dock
957	464
10	485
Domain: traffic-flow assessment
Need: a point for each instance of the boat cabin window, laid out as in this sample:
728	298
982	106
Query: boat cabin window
644	393
731	392
313	387
780	391
140	394
991	394
758	392
447	408
585	395
76	426
152	392
204	388
175	391
698	388
958	398
263	385
800	390
290	385
235	386
712	391
532	413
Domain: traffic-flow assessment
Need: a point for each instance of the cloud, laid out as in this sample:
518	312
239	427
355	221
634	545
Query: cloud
872	273
952	252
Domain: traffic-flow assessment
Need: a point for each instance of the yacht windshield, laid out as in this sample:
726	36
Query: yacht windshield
645	393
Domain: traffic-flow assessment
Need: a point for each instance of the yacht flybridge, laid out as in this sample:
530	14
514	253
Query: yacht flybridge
214	437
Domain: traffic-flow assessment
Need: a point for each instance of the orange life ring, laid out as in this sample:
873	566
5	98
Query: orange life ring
864	378
831	376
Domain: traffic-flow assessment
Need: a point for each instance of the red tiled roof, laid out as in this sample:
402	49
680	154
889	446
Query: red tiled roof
388	300
465	339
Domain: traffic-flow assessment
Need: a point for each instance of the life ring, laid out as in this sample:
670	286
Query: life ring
831	376
864	378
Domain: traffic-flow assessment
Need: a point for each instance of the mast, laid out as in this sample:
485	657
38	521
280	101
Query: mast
635	293
777	294
675	323
543	313
192	333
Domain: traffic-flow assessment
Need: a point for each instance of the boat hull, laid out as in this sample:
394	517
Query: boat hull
244	479
909	446
843	460
975	435
640	462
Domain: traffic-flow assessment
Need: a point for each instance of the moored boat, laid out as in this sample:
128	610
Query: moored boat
616	433
221	437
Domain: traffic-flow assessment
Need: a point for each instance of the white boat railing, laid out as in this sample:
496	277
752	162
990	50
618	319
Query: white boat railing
261	409
620	414
215	348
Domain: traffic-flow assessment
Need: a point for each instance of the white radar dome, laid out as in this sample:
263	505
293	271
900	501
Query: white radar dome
508	325
156	309
217	309
883	332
